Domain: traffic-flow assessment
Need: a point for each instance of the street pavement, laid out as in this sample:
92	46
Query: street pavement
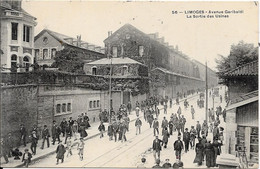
100	152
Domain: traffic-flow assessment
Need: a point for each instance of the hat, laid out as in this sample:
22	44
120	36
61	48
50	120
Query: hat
143	160
186	129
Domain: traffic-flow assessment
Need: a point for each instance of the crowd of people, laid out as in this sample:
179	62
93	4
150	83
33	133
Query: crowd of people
119	126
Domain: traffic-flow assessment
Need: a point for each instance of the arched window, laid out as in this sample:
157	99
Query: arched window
14	63
45	54
53	53
94	70
26	63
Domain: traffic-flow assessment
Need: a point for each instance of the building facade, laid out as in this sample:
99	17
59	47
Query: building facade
48	42
152	51
17	37
242	110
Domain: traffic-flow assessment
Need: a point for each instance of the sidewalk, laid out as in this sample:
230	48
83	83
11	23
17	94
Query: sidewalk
42	153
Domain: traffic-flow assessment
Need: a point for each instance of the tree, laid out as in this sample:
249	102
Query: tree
69	60
241	54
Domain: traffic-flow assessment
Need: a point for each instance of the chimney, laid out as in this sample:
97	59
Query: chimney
15	4
79	40
109	33
233	61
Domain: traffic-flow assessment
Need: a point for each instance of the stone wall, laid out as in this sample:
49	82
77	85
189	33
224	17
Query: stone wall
18	106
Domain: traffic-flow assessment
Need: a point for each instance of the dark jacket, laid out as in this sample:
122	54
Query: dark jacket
101	127
157	145
138	122
186	136
29	157
156	124
198	127
45	133
23	131
60	151
178	145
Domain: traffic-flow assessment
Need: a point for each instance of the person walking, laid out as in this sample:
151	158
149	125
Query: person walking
216	147
80	148
165	108
26	158
164	123
193	133
170	102
55	133
101	129
45	136
60	151
129	107
205	128
63	126
192	112
199	148
69	147
216	131
34	140
75	129
110	131
9	144
68	132
171	126
157	147
179	111
182	123
138	124
23	135
198	128
178	146
150	119
209	151
155	126
115	129
186	139
166	136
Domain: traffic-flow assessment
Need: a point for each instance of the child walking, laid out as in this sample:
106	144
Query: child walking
81	148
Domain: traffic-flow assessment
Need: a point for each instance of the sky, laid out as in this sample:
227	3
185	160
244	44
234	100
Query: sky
199	38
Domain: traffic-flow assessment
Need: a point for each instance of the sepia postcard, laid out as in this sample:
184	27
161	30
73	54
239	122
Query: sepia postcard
129	84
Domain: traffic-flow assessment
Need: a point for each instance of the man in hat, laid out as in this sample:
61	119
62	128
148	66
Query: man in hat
142	165
186	139
157	164
164	123
34	140
178	146
157	147
205	128
26	157
167	164
198	128
192	136
138	124
45	136
155	126
63	126
23	134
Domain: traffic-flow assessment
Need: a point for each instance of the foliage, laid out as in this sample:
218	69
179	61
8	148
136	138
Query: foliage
69	60
242	53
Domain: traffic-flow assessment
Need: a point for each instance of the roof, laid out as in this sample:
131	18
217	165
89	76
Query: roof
249	69
115	61
176	74
243	100
61	38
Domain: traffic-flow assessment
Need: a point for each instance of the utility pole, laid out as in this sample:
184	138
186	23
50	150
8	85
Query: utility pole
206	93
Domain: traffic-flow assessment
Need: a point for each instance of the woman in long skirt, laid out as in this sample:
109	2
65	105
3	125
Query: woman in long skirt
209	151
199	148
